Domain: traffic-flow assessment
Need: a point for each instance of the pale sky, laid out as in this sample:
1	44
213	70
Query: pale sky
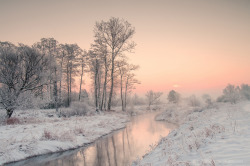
186	45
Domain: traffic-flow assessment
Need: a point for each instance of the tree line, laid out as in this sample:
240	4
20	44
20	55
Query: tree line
49	70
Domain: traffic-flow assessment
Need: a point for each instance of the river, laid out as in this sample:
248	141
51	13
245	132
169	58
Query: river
119	148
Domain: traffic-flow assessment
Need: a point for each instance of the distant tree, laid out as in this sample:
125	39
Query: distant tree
83	62
115	34
122	71
245	91
22	69
127	80
130	81
85	95
193	101
173	97
136	100
207	99
153	97
231	94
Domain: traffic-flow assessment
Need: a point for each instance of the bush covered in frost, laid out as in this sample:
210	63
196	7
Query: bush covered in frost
194	101
76	109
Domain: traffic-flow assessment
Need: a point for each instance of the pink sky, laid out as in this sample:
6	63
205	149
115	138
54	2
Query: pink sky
191	46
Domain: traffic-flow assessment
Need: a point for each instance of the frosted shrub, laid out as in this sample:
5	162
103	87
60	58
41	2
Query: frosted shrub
45	102
193	101
12	121
47	135
76	108
64	136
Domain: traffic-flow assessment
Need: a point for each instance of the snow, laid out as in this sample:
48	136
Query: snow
219	135
39	133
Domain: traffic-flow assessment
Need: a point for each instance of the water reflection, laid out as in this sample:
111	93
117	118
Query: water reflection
118	149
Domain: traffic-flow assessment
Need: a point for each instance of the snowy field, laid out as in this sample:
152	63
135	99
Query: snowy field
41	131
214	136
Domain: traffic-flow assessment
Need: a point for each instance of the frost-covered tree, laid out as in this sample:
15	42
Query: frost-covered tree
130	81
173	97
231	94
101	61
95	71
245	91
70	67
153	97
22	68
49	47
116	35
83	63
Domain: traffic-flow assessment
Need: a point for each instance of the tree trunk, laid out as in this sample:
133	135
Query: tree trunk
122	95
60	88
126	91
9	112
96	91
56	92
99	89
68	84
103	104
104	93
81	84
112	83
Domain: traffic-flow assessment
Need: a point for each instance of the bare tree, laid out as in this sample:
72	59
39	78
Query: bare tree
122	71
61	60
153	97
131	81
83	61
22	69
115	34
73	51
127	80
101	53
94	64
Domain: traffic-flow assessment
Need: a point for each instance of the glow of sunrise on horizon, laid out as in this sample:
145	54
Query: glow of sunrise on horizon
183	45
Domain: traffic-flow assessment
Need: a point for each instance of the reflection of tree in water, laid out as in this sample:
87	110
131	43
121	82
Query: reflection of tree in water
99	155
107	149
115	155
114	150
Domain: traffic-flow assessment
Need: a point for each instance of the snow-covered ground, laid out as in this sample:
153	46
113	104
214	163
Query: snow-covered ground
213	136
41	131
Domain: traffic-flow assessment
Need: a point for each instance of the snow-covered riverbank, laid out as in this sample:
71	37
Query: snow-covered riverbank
215	136
41	131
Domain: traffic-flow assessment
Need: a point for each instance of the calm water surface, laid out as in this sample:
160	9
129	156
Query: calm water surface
120	148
